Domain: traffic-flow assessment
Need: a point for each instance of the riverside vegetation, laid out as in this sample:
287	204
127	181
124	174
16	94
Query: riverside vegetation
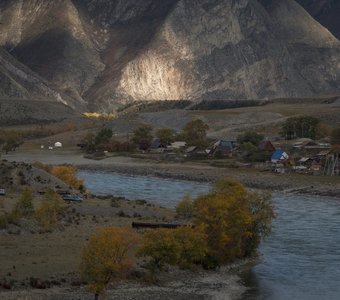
227	224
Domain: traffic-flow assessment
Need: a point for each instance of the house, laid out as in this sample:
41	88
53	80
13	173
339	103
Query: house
279	156
177	145
266	146
191	149
222	147
157	145
305	161
323	153
2	192
58	145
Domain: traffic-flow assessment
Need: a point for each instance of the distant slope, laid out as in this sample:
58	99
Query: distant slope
327	12
18	81
103	54
24	111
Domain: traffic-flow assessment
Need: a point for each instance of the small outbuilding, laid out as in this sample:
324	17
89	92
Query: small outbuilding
222	147
266	146
279	155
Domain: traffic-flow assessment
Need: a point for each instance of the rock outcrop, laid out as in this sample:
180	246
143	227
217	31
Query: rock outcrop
102	54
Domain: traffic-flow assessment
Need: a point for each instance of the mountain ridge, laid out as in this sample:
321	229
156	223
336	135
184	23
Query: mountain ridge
99	55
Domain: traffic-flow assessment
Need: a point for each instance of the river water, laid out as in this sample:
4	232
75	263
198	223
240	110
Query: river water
300	260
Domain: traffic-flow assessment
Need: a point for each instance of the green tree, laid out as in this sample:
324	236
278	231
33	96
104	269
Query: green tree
103	136
107	258
195	133
142	136
166	135
300	127
89	141
10	140
251	137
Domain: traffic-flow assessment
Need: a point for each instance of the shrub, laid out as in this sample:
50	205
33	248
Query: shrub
24	207
106	257
68	175
48	213
185	207
183	246
234	219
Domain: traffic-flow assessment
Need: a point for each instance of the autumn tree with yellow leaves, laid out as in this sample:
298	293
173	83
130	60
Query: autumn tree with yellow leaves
50	210
107	257
68	175
235	220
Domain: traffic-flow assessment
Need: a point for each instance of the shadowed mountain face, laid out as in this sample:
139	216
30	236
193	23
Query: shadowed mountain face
327	12
101	54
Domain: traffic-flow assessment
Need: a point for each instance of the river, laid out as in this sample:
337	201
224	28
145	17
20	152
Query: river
300	260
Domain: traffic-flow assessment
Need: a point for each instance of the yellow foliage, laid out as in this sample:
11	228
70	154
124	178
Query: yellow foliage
185	207
101	116
52	206
68	175
234	220
183	246
46	167
106	257
24	206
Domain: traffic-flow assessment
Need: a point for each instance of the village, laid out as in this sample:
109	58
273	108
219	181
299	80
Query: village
293	153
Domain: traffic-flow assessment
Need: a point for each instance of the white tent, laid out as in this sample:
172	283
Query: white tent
58	145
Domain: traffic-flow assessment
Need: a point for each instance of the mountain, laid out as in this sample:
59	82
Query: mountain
101	54
326	12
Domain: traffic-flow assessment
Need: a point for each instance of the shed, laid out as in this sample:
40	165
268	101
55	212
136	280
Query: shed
223	147
266	146
178	145
279	155
191	149
58	145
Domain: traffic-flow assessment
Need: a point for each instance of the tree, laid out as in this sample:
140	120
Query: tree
162	248
335	137
49	211
24	207
251	137
89	141
10	140
234	219
185	207
300	127
166	135
103	136
106	257
68	174
142	136
184	246
195	133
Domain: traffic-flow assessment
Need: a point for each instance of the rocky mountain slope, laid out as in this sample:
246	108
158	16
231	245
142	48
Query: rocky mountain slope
100	54
326	12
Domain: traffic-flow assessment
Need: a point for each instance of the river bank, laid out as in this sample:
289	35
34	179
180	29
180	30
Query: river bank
192	171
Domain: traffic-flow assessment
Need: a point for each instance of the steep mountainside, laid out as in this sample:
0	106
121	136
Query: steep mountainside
104	53
327	12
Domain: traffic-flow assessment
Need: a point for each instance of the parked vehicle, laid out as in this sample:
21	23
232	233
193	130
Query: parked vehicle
72	198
